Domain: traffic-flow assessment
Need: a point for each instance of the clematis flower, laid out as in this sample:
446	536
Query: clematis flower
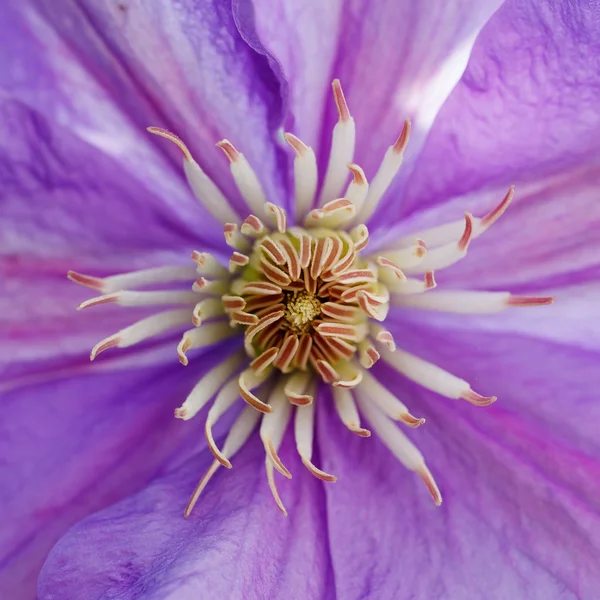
299	288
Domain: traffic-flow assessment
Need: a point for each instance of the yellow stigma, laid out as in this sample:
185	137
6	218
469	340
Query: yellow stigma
301	309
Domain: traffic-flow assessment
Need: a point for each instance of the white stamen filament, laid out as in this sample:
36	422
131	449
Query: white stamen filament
432	377
144	329
135	279
296	388
385	175
470	302
206	388
305	176
237	437
245	178
274	424
383	336
448	254
409	257
372	391
208	266
346	410
400	446
208	334
209	195
448	232
226	397
142	299
342	149
303	432
207	309
357	189
410	286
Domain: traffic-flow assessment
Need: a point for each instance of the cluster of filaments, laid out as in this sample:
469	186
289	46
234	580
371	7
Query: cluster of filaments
310	301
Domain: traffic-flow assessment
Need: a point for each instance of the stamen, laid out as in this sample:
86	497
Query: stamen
214	287
341	312
261	288
530	300
360	237
135	279
303	432
207	309
208	265
262	362
244	176
142	299
449	254
142	330
278	216
358	188
342	148
272	250
382	336
237	261
273	426
296	386
372	391
224	400
333	214
201	337
497	212
349	375
346	410
386	263
287	352
238	435
367	353
206	388
234	238
303	352
407	258
253	227
385	175
412	286
203	187
292	258
345	332
471	302
248	381
430	376
445	234
400	446
305	176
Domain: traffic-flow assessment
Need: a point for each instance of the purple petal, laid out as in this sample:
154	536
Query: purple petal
38	317
236	544
394	61
89	79
549	237
64	197
526	107
72	446
519	480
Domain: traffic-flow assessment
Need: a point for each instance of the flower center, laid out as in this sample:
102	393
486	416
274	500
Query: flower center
305	295
301	308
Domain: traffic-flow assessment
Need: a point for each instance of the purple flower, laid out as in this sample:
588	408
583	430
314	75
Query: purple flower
95	472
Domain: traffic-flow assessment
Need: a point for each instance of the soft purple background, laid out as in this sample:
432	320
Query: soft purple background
94	448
